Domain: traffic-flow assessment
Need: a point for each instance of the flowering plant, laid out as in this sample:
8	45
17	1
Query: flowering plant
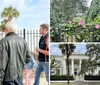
88	32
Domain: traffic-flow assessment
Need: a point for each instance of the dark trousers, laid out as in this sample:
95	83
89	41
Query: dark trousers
17	81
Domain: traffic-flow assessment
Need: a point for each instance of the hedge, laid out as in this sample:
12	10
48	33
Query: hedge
60	77
91	77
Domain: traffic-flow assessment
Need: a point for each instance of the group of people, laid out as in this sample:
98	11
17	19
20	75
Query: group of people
15	56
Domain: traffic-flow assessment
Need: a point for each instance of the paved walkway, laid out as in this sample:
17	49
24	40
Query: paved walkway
42	81
81	81
32	78
77	82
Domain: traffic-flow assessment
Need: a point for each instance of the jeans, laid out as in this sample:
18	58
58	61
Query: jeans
43	66
17	81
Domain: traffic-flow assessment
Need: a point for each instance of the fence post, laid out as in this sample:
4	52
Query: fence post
24	33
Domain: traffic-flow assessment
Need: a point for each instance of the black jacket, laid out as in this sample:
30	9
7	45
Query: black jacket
14	54
42	45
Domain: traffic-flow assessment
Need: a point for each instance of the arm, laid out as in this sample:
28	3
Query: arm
45	52
28	54
3	61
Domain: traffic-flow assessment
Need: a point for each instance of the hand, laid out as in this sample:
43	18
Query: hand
37	50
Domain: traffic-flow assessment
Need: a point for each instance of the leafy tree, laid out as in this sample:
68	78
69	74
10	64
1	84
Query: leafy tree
2	27
54	64
67	50
93	16
8	14
94	11
93	51
61	12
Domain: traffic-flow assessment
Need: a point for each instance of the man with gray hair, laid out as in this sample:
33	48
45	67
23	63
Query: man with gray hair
14	54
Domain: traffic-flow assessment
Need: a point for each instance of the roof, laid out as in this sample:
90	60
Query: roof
77	55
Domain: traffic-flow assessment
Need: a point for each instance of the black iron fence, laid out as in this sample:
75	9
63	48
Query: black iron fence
31	36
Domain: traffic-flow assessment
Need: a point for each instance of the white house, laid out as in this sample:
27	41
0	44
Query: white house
75	64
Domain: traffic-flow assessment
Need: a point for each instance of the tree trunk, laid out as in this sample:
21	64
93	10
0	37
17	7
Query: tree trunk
67	63
67	69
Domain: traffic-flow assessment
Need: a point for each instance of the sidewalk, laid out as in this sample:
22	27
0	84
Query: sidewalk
32	78
42	81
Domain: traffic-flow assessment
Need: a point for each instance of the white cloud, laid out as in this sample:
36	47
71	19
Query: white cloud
45	1
22	6
33	14
19	4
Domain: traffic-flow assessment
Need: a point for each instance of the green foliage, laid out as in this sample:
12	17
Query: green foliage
61	11
93	51
8	14
96	20
60	77
94	11
2	27
92	77
54	64
67	48
86	32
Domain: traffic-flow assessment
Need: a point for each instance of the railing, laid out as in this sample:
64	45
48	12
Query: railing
31	36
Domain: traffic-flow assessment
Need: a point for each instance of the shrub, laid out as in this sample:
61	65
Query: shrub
91	77
61	77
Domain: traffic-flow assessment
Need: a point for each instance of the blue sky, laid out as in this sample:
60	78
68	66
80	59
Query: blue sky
32	12
54	49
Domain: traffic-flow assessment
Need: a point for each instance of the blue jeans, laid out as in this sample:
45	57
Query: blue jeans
43	66
17	81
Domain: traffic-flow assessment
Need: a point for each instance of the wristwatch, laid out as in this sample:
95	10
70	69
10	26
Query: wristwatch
41	50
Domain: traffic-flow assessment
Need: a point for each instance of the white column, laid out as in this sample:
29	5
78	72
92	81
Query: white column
61	71
80	62
64	66
97	70
72	61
